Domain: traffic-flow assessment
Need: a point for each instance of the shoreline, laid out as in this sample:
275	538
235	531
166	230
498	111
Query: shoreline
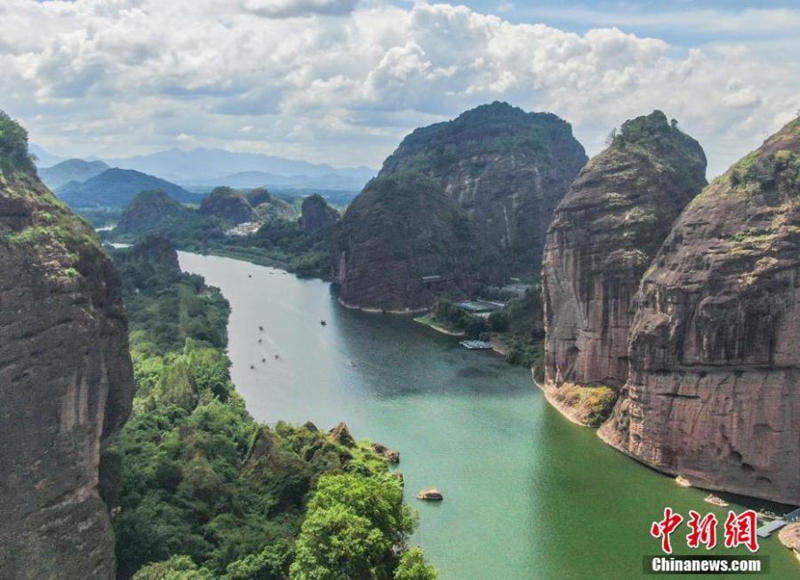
536	383
558	406
499	348
379	310
440	329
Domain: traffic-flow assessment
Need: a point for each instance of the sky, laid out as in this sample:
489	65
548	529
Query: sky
342	81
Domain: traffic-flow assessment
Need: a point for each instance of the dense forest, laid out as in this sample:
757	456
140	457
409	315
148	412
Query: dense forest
282	240
200	490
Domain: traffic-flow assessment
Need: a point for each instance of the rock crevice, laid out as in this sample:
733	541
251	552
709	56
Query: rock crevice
713	391
66	383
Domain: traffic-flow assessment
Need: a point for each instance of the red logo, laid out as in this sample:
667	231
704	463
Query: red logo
704	531
665	527
740	530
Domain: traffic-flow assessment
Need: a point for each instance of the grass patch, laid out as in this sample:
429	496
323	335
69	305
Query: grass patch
593	403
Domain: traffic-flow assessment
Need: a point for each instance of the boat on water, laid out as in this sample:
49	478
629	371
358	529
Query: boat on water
682	481
432	494
714	500
323	323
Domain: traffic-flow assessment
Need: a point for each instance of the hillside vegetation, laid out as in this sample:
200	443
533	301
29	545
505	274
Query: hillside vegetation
201	490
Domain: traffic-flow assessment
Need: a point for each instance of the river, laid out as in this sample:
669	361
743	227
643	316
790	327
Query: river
528	495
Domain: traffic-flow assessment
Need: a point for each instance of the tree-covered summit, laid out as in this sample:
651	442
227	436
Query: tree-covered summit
13	146
496	128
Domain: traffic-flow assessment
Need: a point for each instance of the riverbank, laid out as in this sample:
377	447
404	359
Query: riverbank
529	496
431	322
584	406
790	537
497	340
407	312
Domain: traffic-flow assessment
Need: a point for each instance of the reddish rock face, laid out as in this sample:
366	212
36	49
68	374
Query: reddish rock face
713	391
66	383
474	212
399	230
603	236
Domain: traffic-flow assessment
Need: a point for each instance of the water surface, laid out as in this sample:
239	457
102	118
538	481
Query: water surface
529	495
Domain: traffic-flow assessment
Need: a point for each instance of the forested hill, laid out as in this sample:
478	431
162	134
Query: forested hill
201	490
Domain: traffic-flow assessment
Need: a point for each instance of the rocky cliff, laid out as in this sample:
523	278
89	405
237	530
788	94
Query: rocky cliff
399	232
156	212
316	214
507	168
227	205
268	208
501	169
713	391
65	379
604	234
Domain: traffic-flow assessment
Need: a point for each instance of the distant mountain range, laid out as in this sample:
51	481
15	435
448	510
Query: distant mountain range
44	158
117	187
252	179
202	169
202	166
71	170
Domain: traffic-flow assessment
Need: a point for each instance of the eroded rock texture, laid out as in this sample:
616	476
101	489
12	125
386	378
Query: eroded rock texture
65	379
502	169
507	168
604	234
400	231
713	391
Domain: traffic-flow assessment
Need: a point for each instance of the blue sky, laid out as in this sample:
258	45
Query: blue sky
642	17
342	81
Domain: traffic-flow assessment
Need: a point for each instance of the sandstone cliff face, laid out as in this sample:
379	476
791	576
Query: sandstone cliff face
713	391
66	380
603	236
507	168
399	230
500	169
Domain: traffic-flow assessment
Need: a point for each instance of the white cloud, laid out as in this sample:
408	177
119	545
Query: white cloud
346	81
505	7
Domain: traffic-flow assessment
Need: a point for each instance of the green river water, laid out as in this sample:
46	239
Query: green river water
528	495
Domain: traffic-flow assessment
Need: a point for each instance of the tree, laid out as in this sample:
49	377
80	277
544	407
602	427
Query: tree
337	544
176	568
414	567
498	321
272	563
353	526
